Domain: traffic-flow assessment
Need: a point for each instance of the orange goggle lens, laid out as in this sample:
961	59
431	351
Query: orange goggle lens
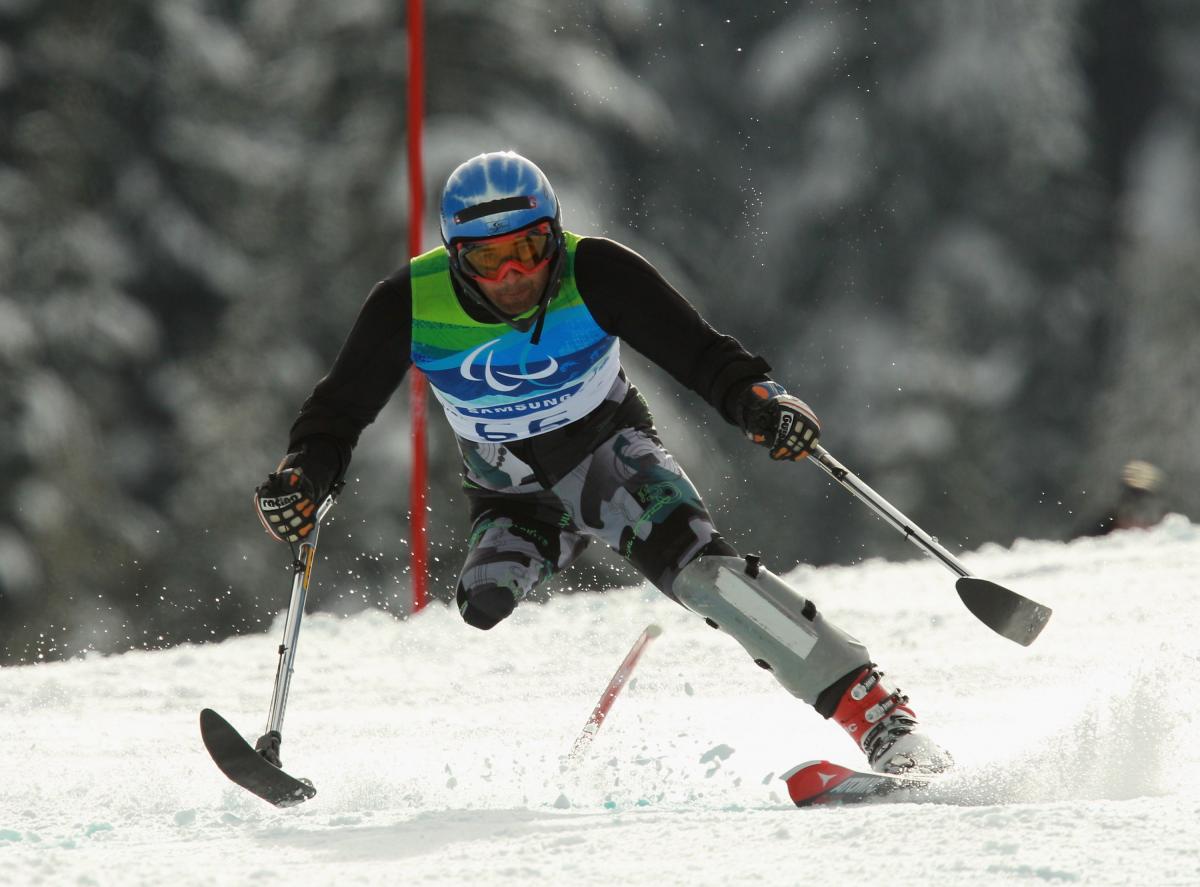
490	258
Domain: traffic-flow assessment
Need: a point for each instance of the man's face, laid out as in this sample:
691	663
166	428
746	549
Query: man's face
516	292
512	269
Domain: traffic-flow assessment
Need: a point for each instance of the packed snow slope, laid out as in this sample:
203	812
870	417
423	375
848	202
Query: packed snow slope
437	749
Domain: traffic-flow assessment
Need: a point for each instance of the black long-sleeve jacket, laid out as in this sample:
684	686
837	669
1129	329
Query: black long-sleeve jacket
625	295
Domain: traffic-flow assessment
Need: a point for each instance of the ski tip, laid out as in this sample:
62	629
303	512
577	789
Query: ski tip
823	782
653	630
786	776
812	780
211	722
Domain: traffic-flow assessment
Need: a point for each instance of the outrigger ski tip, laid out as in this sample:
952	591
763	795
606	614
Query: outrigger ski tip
238	760
1007	613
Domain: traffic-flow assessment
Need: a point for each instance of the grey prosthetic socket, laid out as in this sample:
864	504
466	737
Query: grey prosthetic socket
781	630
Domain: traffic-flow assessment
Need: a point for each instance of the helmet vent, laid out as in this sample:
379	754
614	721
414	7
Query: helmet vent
493	207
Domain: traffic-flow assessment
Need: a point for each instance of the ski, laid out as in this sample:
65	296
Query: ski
249	768
821	782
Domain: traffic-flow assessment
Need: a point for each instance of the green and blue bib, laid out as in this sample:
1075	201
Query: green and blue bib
493	384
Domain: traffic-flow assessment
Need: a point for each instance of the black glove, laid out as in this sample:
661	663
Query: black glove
777	420
287	503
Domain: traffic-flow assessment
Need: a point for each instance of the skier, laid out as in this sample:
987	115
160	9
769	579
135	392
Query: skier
517	324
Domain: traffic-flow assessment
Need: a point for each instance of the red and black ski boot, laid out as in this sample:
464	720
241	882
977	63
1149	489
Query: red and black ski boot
886	729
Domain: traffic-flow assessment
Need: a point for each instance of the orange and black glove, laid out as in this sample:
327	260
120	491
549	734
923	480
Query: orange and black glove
287	503
784	424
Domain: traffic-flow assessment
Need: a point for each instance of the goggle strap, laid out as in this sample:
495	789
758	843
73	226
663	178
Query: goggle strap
494	207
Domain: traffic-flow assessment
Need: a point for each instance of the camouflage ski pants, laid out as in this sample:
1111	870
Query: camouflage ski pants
629	492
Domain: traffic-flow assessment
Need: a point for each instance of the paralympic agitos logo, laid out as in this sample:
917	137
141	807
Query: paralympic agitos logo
467	370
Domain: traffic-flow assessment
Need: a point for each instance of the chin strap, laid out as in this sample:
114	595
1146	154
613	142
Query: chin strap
541	317
552	284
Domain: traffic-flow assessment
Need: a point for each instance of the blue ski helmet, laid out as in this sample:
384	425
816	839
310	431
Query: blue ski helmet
495	194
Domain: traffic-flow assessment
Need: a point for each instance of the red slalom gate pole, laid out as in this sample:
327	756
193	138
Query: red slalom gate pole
418	393
612	691
418	561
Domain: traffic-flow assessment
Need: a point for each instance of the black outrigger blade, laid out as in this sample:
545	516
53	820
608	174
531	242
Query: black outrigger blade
1005	612
250	768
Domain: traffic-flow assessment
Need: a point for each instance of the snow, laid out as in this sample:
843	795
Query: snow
437	750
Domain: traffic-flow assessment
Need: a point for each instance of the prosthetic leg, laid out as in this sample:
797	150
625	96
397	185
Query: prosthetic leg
813	659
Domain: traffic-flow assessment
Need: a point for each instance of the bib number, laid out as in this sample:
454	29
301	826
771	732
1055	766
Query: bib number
501	432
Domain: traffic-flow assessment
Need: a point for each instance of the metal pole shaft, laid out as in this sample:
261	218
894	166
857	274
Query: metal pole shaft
291	626
848	479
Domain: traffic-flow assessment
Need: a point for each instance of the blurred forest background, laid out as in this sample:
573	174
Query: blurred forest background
967	232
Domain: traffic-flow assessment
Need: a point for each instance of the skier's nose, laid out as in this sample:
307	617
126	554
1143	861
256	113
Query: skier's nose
512	279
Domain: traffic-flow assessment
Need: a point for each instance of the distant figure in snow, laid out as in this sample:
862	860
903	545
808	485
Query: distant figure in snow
517	324
1139	502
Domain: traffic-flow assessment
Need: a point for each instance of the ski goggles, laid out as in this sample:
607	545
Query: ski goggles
525	251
